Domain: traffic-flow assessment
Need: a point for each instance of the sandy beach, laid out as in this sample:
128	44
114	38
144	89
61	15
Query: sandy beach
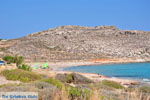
56	68
61	64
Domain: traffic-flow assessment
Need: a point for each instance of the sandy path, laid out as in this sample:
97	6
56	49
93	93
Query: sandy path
5	81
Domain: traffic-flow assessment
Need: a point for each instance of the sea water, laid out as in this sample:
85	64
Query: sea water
139	71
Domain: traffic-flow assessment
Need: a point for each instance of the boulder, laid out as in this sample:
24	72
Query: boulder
73	78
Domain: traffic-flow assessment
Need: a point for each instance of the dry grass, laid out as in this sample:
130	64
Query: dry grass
53	89
20	75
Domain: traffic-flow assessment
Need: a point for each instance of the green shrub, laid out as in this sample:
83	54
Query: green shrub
18	60
54	82
75	92
112	84
21	75
9	59
25	67
69	78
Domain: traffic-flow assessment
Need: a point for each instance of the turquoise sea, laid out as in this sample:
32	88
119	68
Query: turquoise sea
139	71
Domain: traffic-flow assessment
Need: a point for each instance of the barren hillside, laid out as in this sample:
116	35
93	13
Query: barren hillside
80	43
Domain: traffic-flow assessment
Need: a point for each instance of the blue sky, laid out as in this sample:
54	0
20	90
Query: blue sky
21	17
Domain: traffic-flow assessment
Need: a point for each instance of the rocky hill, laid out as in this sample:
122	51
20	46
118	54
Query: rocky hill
80	43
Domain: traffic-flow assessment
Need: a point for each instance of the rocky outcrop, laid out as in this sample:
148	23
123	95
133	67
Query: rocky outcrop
82	43
73	78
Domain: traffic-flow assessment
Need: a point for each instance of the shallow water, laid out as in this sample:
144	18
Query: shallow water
131	70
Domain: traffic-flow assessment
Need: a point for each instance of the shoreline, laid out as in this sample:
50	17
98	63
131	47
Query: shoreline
58	66
64	64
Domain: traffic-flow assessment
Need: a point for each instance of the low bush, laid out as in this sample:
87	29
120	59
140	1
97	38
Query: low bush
69	78
112	84
25	67
21	75
75	92
81	93
14	59
145	89
9	59
54	82
18	60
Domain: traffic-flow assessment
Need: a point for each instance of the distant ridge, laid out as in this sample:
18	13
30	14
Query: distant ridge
80	43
